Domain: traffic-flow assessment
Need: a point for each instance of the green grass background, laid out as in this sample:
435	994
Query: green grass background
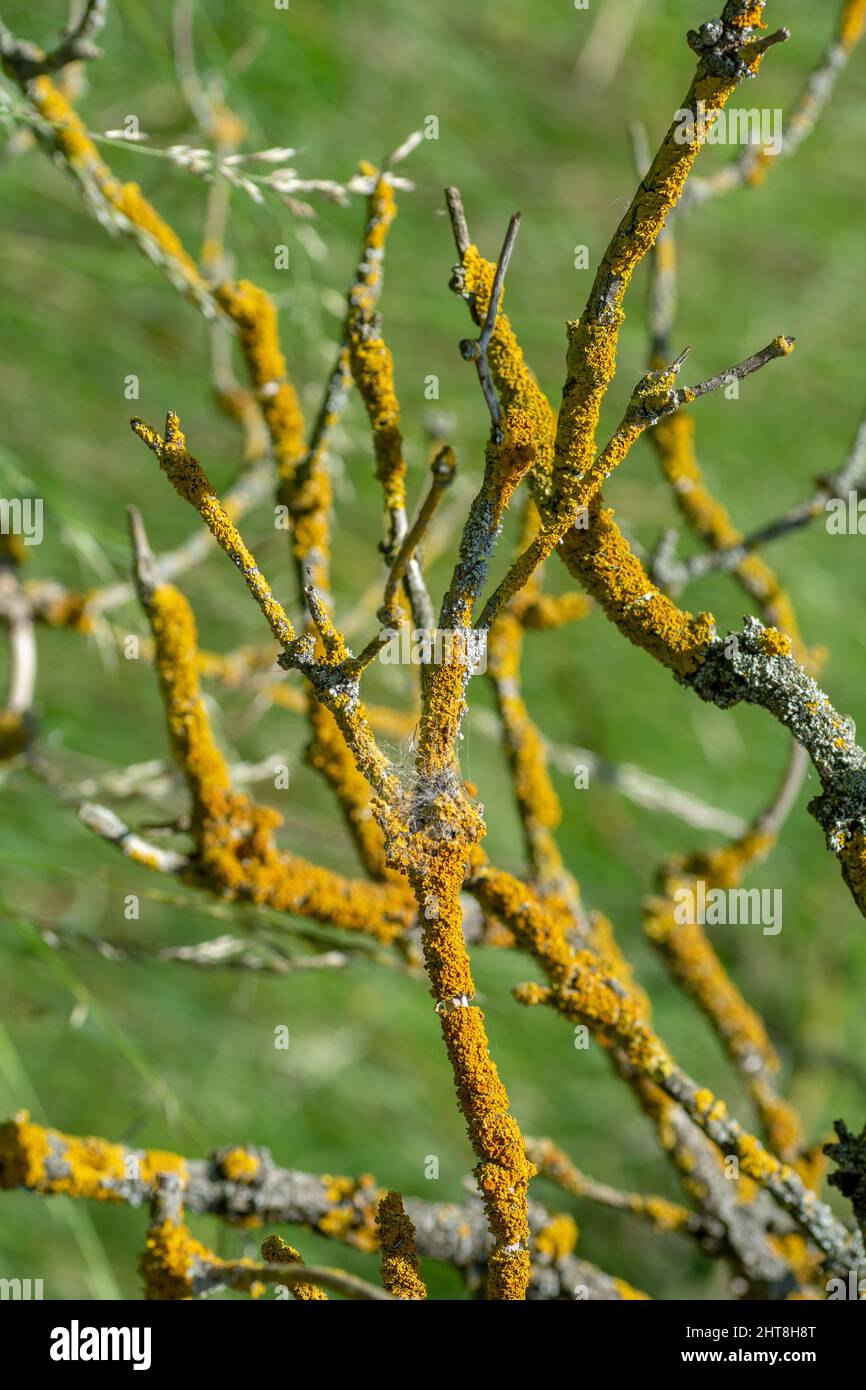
162	1055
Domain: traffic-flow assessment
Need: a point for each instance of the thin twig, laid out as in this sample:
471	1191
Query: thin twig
109	826
475	349
442	470
27	60
849	479
459	226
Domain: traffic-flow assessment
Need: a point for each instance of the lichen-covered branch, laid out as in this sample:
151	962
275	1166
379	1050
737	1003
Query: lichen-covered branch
663	1215
599	1001
674	928
754	163
177	1266
242	1185
400	1272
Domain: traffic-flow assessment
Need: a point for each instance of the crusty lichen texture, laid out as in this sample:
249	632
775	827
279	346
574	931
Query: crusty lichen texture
593	339
693	961
44	1160
253	311
277	1251
429	890
371	361
710	520
400	1270
236	854
125	203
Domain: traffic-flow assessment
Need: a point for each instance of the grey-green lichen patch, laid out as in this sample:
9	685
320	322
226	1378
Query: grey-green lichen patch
754	667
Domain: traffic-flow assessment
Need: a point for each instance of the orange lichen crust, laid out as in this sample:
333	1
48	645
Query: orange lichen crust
674	442
599	1000
254	313
514	381
555	1165
353	1204
600	557
435	862
58	607
595	551
381	211
189	480
205	769
443	827
400	1270
503	1173
277	1251
330	755
592	341
557	1239
46	1161
373	373
852	24
608	1001
171	1258
507	458
235	851
590	988
308	493
132	211
240	1165
538	804
342	696
601	1003
434	858
177	1266
536	929
694	963
370	359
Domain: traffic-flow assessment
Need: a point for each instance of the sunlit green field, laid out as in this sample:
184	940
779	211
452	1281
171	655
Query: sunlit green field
163	1055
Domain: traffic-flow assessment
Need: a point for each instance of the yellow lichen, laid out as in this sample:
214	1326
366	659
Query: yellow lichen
14	734
329	754
558	1238
169	1261
236	852
538	804
277	1251
852	23
80	1167
674	442
514	381
599	1001
503	1172
24	1147
400	1270
239	1165
127	201
601	558
352	1214
373	372
254	313
693	961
